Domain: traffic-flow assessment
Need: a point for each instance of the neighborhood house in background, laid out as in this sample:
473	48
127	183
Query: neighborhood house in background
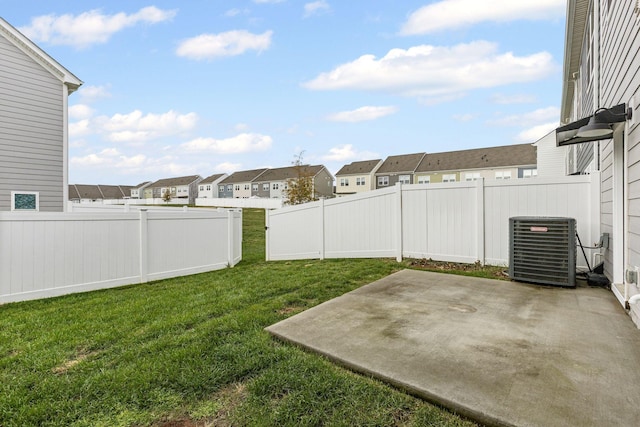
33	127
504	162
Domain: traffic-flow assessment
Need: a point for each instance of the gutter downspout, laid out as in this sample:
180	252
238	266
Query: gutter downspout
634	299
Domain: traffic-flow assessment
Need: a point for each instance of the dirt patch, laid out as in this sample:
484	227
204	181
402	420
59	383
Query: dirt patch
231	397
293	309
81	355
446	266
186	423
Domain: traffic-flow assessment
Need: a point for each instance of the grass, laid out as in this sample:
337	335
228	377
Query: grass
192	351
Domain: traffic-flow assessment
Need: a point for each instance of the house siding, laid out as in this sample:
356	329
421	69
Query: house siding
620	83
550	159
31	129
323	184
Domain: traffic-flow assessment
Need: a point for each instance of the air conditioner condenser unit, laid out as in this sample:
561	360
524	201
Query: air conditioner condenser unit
542	250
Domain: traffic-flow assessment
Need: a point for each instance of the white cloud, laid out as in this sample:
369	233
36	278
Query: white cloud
536	132
92	93
529	119
235	12
136	127
433	71
347	152
464	117
134	161
316	8
80	111
80	128
242	143
499	98
448	14
104	157
230	43
228	167
362	114
91	27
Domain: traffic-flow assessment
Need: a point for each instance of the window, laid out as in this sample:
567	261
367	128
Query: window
25	201
503	174
275	186
208	188
221	189
265	187
344	182
229	187
202	188
472	176
449	177
383	180
237	188
360	181
529	173
254	187
424	179
246	186
405	179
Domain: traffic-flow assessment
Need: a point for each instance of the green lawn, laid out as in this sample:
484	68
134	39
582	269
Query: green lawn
192	351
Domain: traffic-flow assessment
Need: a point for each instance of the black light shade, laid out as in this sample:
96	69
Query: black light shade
595	128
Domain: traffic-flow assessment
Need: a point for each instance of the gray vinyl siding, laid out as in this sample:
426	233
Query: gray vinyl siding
261	192
584	156
620	81
31	129
323	184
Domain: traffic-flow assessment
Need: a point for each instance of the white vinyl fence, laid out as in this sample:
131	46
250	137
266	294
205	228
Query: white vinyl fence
258	203
50	254
458	222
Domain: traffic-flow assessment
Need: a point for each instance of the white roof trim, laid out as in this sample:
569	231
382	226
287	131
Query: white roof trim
39	55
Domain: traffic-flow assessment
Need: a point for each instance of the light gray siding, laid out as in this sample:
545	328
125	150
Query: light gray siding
31	129
620	83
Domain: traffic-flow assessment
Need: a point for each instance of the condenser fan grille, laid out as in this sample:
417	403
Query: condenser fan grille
543	250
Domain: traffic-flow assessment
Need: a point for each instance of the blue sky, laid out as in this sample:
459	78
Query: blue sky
202	87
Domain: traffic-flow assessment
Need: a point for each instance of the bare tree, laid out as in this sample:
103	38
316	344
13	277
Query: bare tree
300	188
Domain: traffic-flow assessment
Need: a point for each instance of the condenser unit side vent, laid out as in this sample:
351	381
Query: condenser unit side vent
543	250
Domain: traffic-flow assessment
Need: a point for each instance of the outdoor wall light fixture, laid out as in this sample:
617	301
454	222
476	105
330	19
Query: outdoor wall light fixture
596	128
600	125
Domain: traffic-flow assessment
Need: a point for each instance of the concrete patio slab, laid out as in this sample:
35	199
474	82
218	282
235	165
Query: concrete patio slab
501	353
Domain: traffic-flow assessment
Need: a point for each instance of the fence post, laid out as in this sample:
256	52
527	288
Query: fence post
480	232
230	232
267	213
322	230
398	224
144	245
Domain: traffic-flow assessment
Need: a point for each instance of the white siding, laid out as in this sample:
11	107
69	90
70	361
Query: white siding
31	129
551	159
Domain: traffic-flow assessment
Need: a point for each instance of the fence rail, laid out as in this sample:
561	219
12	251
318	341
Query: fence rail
50	254
458	222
